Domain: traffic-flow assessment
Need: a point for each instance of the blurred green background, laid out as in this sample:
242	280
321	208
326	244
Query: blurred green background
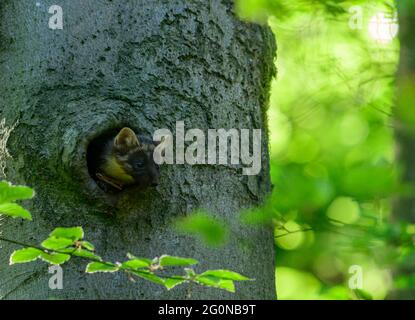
341	105
332	148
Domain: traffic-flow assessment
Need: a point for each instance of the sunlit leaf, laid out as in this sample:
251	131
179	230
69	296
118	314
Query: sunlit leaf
93	267
137	263
87	245
224	274
55	258
166	260
10	193
24	255
145	274
15	211
212	281
362	294
79	252
173	281
54	243
208	229
75	233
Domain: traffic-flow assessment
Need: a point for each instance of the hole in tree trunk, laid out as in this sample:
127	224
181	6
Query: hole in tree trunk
132	167
95	151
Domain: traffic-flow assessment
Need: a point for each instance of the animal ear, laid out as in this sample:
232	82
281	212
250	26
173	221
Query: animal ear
126	140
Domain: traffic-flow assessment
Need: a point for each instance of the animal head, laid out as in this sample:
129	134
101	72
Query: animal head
135	154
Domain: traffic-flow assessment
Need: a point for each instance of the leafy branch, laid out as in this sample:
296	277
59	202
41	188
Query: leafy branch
65	243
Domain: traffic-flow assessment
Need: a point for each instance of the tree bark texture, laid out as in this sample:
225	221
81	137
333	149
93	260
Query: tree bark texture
143	64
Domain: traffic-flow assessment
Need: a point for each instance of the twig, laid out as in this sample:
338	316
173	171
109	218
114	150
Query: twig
291	232
128	270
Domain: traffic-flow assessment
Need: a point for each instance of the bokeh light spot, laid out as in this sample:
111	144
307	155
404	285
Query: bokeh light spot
295	284
291	237
343	210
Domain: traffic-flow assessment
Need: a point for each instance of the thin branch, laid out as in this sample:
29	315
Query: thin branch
291	232
127	270
21	244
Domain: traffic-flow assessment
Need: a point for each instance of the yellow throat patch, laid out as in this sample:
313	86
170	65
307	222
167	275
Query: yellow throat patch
113	169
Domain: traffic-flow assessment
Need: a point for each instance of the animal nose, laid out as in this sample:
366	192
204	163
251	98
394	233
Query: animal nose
154	177
154	181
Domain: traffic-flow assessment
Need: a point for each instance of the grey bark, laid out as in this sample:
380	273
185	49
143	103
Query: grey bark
144	64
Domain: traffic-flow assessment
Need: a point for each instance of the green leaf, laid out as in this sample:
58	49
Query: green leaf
225	275
79	252
227	285
74	234
215	282
15	211
201	225
136	263
131	257
145	274
173	281
222	279
54	243
362	294
87	245
24	255
166	261
10	193
54	258
86	254
93	267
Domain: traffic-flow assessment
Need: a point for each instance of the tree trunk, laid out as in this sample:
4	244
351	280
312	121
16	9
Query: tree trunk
143	64
404	205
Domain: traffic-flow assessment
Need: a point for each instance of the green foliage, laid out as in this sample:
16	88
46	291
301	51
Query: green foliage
87	245
216	282
169	261
25	255
54	258
73	234
171	282
261	10
406	5
136	263
203	226
8	195
150	276
223	279
93	267
224	275
65	243
54	243
332	148
15	211
81	253
362	294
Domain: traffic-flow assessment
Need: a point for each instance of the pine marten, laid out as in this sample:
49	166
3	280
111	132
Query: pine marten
126	159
